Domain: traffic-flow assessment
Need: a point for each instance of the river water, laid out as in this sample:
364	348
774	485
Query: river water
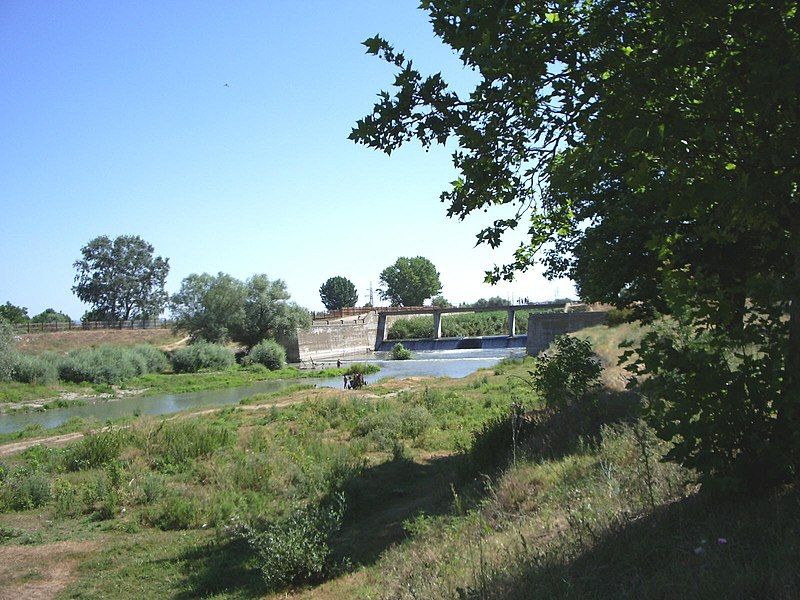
444	363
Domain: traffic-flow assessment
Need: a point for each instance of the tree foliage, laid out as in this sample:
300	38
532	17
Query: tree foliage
218	308
409	281
650	149
50	315
338	292
13	314
121	278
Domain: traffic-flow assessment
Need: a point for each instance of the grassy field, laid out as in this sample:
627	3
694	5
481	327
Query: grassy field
431	496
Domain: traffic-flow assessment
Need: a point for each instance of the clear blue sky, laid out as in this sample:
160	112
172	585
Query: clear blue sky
114	119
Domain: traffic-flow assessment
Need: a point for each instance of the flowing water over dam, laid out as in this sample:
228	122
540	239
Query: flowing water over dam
440	363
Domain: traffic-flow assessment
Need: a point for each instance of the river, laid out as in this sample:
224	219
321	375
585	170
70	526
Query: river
440	363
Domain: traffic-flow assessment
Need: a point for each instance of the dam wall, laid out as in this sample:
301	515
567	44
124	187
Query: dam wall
544	328
332	338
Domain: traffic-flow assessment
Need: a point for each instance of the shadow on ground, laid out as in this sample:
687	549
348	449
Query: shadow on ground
386	495
695	548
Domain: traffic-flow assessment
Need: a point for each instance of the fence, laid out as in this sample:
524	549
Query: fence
31	327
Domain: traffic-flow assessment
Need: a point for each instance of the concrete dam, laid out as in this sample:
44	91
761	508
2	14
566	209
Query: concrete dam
359	331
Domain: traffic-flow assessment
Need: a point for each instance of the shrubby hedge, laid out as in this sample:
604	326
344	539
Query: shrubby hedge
268	353
110	364
202	356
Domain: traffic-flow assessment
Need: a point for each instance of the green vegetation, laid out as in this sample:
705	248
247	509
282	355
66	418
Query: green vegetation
202	356
649	198
400	352
338	292
409	281
268	353
121	278
13	314
477	485
110	364
219	308
50	315
460	325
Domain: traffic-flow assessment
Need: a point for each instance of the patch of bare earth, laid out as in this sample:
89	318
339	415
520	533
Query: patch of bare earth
39	572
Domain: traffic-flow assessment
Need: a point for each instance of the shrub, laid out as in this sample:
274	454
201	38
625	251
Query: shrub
7	352
34	369
362	369
94	450
618	316
173	443
295	550
565	377
108	364
176	512
400	352
23	489
67	498
154	358
202	356
270	354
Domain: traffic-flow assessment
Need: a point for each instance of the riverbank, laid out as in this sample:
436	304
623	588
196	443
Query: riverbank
423	487
15	396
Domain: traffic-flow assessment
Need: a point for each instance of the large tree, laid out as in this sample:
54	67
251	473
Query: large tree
338	292
651	151
410	281
13	313
209	307
268	312
219	308
121	278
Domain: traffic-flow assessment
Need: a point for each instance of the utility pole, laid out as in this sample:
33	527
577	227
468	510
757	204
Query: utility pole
371	303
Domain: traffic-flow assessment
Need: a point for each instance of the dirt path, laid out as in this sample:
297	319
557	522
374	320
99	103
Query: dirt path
39	572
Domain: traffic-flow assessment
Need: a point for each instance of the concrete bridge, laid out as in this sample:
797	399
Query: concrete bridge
437	312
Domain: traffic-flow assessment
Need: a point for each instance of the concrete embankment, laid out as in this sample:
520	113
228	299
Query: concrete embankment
338	337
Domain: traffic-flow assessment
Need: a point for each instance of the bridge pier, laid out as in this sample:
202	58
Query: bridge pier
437	325
512	324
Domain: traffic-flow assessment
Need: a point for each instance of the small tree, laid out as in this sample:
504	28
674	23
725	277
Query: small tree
410	281
13	314
50	315
565	377
338	292
121	278
440	302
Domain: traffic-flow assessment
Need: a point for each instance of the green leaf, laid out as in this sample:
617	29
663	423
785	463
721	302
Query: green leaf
627	50
730	167
552	17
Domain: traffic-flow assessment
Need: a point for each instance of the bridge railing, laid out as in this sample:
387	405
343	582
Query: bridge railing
53	326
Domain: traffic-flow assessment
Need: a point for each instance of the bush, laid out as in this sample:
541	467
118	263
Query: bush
23	489
7	352
173	443
295	550
270	354
34	369
94	450
362	369
202	356
155	360
618	316
400	352
565	377
176	512
109	364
